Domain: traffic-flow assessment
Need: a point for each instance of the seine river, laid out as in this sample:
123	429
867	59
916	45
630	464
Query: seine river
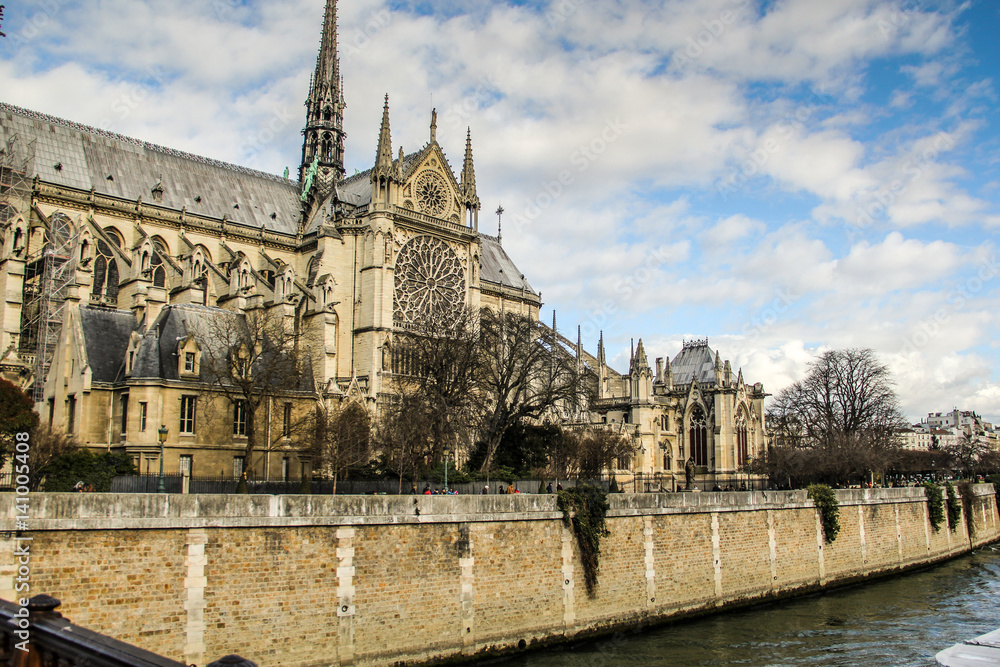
904	620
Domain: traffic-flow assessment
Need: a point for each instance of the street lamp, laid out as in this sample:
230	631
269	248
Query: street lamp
446	452
161	433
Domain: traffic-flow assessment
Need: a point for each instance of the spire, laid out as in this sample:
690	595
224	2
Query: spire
600	349
434	126
554	320
640	361
383	156
467	188
499	221
324	131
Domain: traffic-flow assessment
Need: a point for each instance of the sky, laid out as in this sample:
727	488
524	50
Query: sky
782	177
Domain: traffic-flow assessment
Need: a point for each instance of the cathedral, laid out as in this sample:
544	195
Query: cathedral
117	255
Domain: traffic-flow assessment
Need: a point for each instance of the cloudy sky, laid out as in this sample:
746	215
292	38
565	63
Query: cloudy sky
782	177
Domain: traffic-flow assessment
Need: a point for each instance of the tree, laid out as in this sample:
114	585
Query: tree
845	413
16	416
967	451
342	439
82	465
601	449
250	357
523	371
47	445
404	436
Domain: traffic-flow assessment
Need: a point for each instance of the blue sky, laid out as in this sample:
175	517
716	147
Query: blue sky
782	177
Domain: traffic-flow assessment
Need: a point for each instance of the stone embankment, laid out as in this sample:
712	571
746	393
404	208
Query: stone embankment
316	580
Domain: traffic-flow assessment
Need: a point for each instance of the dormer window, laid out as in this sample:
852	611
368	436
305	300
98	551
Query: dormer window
189	359
189	362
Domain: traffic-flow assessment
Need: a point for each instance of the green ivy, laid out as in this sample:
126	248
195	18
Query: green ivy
584	509
954	508
965	488
935	504
829	509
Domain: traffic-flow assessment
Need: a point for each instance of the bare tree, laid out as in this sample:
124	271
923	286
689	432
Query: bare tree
404	435
341	438
522	372
601	449
251	356
845	412
967	452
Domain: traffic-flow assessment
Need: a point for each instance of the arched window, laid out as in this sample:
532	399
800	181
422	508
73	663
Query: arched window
742	443
156	263
106	270
698	436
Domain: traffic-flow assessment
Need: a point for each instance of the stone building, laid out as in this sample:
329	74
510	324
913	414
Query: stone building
117	254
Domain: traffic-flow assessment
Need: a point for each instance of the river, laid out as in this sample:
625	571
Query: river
901	620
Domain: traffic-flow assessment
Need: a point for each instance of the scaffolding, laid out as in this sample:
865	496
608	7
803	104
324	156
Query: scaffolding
49	272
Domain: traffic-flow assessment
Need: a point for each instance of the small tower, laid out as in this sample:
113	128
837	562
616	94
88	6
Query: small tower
641	375
602	373
324	131
385	174
467	188
718	369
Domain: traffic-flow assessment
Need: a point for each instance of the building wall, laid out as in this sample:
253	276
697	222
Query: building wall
310	580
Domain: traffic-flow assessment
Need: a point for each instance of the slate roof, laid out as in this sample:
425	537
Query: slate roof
157	354
106	334
693	361
88	156
498	267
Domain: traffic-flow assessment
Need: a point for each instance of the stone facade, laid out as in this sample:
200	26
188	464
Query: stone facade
307	580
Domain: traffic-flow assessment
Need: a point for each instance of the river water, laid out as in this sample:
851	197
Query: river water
902	620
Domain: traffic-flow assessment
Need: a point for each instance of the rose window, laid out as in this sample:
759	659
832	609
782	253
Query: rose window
429	280
432	193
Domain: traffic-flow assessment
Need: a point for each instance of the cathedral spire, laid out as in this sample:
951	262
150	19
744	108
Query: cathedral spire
324	131
385	173
467	188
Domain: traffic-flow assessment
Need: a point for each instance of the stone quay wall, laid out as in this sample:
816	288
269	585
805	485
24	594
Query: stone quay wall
367	580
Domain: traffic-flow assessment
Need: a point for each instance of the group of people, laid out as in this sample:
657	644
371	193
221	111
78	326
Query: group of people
438	492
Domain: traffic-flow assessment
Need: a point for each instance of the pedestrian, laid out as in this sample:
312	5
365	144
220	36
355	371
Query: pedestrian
427	490
558	486
510	489
486	490
548	489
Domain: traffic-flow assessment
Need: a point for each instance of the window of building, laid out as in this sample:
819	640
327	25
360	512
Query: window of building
698	437
187	413
157	264
124	400
105	284
142	415
285	468
240	418
286	424
71	413
239	463
187	464
189	362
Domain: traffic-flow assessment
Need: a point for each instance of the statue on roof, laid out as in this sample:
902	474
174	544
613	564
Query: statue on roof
310	176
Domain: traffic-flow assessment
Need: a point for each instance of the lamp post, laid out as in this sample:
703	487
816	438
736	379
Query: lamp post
446	452
161	433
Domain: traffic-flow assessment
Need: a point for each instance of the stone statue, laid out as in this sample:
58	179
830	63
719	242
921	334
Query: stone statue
689	473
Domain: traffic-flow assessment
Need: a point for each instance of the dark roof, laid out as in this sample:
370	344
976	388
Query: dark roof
498	267
106	334
157	353
87	156
693	361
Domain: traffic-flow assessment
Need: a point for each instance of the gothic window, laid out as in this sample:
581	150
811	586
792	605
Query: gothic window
429	280
106	271
156	263
698	436
432	193
742	443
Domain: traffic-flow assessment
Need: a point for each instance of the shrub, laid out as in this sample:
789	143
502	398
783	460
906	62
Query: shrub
829	509
935	504
584	509
954	508
82	465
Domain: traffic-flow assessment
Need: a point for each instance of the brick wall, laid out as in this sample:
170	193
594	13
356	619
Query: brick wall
313	580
